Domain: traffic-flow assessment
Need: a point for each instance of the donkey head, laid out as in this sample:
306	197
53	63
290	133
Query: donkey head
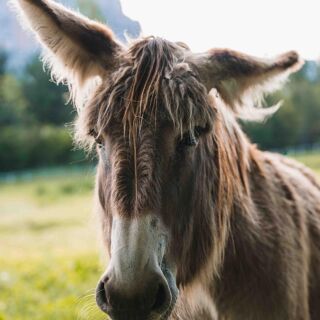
154	123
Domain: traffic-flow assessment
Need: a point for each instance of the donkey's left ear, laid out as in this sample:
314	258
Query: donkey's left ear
239	78
76	47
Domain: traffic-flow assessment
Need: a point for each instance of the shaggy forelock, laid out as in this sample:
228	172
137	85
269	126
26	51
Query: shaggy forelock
152	85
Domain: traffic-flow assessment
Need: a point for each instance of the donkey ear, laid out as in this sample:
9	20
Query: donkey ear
76	47
241	79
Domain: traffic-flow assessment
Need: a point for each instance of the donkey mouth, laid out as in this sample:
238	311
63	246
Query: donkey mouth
160	308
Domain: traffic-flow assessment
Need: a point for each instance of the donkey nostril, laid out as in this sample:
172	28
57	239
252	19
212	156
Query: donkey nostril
160	299
101	297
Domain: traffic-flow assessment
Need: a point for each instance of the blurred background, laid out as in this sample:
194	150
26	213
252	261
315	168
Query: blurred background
49	253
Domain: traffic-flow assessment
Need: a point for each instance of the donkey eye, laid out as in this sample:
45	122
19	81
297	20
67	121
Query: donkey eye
191	138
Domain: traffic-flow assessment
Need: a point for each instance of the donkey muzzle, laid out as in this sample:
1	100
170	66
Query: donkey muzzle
138	284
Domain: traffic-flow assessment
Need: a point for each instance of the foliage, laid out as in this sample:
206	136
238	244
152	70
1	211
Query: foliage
90	9
298	120
34	146
12	101
33	115
46	101
3	62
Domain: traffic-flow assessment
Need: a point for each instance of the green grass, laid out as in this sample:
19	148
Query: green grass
312	160
49	260
49	257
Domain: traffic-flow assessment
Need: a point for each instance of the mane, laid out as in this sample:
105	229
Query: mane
232	157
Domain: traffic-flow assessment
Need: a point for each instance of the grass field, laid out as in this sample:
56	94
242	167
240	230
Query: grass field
49	260
312	160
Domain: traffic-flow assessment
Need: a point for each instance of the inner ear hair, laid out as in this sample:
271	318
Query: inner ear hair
241	79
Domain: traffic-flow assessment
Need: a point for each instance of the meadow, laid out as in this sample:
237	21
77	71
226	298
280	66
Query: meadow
49	250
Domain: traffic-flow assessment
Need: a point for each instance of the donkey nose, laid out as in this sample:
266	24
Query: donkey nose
148	296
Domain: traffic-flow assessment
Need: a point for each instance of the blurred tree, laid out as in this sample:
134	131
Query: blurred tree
35	146
45	100
298	120
33	113
3	61
91	9
12	102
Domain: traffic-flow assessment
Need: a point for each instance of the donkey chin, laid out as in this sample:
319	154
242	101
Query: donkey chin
139	282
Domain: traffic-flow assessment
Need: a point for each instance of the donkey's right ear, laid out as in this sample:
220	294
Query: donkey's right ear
76	48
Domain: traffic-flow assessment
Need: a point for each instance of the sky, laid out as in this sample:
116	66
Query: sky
259	27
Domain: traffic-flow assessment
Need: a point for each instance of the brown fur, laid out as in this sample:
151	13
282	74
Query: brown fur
244	224
240	223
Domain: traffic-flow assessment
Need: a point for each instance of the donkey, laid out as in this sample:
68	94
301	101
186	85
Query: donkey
196	221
